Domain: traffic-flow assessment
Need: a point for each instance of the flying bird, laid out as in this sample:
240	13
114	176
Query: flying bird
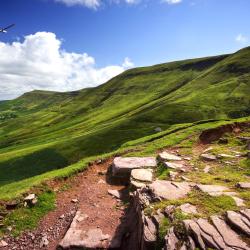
4	30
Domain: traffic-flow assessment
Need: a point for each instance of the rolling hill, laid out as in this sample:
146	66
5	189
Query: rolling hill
41	131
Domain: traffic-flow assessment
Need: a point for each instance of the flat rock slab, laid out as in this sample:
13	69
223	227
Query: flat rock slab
208	157
244	185
76	237
237	220
165	156
169	190
143	175
137	184
213	190
230	237
173	165
124	165
188	208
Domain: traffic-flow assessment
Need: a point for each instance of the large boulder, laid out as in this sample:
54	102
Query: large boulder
166	156
122	166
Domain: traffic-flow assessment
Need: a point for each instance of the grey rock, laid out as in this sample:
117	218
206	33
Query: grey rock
246	213
207	228
223	156
124	165
171	240
212	190
230	238
142	175
3	243
192	226
173	165
190	243
236	220
208	157
188	209
207	169
243	185
137	184
166	156
169	190
115	193
150	230
44	241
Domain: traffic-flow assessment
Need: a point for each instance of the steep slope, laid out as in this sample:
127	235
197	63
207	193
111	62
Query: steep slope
44	130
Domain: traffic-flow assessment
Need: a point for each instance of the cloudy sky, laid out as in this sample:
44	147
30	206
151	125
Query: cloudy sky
66	45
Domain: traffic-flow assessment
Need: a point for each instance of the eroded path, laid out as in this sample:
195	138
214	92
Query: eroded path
87	192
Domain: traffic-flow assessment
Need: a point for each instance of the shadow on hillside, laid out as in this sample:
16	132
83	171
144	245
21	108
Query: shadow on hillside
31	165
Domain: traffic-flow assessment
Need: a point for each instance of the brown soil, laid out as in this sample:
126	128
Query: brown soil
90	189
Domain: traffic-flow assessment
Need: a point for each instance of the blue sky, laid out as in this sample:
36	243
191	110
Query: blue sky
145	32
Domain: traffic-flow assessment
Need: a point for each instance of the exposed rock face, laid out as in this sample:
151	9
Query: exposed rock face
165	156
142	175
230	237
208	157
122	166
171	240
169	190
237	220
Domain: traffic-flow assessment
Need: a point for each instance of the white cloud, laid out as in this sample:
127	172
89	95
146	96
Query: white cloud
94	4
40	63
172	1
87	3
241	39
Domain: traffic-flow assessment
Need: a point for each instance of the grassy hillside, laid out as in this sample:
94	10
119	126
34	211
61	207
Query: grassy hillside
42	131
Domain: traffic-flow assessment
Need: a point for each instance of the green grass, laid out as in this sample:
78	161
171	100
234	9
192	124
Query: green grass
24	218
47	134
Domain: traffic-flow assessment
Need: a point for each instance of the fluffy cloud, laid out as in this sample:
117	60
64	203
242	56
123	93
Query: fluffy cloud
172	1
39	63
94	4
241	39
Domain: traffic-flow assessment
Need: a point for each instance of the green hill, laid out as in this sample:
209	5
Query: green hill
42	131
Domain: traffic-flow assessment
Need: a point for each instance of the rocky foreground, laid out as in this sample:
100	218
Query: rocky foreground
141	229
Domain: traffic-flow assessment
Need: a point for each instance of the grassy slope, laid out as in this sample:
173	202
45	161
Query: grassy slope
52	130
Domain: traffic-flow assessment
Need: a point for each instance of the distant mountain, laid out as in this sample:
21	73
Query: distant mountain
43	130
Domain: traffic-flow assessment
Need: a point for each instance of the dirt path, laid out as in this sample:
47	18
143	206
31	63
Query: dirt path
90	188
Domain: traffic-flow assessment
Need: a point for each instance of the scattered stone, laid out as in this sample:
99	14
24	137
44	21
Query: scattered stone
165	156
115	193
173	175
208	149
243	185
188	209
44	242
207	169
187	158
238	201
74	200
208	157
172	165
213	190
30	200
3	244
222	156
230	238
143	175
123	166
62	216
171	240
185	178
169	190
101	182
9	228
158	130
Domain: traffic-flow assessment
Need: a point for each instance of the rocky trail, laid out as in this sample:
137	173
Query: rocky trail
123	204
